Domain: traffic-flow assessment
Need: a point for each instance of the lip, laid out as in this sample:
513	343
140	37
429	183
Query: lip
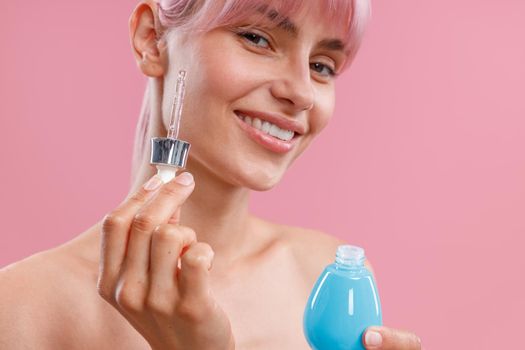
267	141
280	121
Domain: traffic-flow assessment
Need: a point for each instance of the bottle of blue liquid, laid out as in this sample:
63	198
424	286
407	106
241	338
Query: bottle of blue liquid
343	303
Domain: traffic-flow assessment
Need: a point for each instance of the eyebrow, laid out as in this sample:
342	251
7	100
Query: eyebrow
288	26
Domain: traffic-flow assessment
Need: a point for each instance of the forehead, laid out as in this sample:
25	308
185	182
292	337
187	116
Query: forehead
305	17
330	17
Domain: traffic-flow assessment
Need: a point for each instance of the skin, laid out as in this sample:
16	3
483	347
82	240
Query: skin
113	280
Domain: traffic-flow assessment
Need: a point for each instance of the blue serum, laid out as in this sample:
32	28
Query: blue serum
343	303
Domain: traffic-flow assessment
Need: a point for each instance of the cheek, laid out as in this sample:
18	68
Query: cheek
225	73
229	70
214	84
219	77
323	111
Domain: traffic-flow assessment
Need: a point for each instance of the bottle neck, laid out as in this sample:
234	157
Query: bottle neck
349	265
350	257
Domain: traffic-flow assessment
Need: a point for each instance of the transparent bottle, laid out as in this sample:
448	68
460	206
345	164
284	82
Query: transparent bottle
343	303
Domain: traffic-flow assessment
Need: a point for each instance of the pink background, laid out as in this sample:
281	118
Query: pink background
423	164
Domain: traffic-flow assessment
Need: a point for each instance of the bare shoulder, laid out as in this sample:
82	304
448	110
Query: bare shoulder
314	248
37	295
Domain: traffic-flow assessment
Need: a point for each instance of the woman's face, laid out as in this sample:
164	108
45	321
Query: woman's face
273	73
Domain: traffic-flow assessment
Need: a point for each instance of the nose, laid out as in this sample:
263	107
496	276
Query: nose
294	88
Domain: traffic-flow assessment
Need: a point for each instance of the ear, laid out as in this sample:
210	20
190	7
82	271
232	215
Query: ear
144	31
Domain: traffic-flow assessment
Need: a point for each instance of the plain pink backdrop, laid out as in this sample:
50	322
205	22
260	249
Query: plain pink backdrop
423	164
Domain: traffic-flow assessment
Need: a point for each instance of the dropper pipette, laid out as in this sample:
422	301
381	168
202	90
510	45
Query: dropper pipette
169	154
176	108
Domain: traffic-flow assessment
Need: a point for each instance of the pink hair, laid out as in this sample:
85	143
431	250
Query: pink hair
204	15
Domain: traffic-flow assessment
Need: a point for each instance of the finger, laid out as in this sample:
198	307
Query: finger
114	235
390	339
166	246
168	200
194	274
155	212
175	218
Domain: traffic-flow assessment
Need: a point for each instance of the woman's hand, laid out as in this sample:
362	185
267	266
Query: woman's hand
383	338
171	307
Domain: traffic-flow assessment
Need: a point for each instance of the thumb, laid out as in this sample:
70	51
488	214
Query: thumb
383	338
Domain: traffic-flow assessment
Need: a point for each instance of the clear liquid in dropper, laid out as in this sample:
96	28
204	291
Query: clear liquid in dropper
176	108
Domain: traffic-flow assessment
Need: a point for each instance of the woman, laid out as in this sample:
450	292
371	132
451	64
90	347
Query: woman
240	282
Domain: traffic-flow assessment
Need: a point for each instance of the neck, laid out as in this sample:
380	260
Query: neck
218	212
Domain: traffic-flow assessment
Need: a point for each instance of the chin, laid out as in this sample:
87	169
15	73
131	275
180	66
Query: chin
261	186
259	180
251	175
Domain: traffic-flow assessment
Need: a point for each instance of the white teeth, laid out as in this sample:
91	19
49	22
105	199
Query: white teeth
269	128
283	134
274	130
265	127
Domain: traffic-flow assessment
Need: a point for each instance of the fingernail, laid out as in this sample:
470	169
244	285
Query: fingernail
185	179
373	338
153	183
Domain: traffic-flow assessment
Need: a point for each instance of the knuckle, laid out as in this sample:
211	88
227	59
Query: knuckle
112	222
159	306
189	232
206	249
198	258
138	197
175	234
189	311
143	222
170	190
104	290
165	232
127	299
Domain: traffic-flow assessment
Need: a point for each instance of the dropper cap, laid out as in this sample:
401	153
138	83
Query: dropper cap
170	154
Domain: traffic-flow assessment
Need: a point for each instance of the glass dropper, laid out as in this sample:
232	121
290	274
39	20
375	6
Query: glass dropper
169	154
176	108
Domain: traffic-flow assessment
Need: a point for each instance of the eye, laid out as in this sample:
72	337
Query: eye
260	41
323	69
255	39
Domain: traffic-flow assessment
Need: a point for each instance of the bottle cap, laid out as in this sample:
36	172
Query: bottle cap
168	151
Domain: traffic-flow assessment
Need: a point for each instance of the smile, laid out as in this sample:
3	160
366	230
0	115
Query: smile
267	127
267	134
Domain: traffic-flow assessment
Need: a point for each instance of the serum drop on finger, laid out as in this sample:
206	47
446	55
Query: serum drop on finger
169	154
343	303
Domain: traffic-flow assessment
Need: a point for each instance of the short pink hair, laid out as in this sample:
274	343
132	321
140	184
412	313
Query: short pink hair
204	15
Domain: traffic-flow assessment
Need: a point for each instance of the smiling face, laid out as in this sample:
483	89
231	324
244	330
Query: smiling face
256	95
